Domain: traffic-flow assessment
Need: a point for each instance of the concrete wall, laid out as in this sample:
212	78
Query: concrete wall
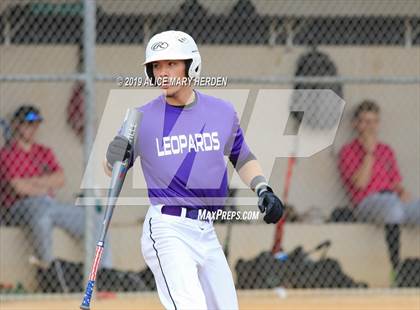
315	182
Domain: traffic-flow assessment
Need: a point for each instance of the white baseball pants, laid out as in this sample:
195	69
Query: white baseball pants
188	263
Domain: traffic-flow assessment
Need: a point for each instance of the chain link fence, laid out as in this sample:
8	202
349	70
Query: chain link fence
60	75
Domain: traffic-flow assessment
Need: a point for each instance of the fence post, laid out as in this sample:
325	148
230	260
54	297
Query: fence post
89	38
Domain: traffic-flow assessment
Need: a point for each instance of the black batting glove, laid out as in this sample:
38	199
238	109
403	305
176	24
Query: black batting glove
119	150
269	204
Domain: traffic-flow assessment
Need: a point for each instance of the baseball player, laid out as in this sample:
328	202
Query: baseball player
182	142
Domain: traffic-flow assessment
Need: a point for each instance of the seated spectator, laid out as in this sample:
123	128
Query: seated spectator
372	178
29	176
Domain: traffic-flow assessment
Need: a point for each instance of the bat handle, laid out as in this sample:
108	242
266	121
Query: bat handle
92	278
88	295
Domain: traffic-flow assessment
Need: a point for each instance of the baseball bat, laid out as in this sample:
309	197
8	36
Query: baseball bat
119	171
279	232
291	162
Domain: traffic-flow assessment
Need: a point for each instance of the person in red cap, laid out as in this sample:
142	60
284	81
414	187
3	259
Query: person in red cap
30	174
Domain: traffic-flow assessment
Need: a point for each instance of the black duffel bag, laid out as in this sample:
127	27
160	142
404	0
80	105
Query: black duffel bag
260	272
408	273
297	271
61	277
67	277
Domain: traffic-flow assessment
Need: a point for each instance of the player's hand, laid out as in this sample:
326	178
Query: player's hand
405	196
119	150
369	142
270	204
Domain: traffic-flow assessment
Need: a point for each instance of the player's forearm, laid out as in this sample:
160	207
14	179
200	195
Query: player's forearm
51	181
249	171
363	174
268	203
28	187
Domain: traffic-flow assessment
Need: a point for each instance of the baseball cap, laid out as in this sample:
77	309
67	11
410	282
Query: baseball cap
27	113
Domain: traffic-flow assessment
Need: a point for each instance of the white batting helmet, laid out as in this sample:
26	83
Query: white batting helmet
173	45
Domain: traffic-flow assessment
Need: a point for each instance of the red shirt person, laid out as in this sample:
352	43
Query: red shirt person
27	169
370	173
29	176
366	165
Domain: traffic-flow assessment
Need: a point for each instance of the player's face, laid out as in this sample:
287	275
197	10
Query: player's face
167	71
367	123
27	131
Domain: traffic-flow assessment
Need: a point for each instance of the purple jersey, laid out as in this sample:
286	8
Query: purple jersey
182	151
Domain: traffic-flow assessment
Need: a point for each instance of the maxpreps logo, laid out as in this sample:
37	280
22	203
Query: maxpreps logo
199	142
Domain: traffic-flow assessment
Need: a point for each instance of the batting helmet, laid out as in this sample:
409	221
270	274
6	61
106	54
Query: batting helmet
173	45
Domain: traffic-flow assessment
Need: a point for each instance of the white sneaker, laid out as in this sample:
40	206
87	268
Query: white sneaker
35	261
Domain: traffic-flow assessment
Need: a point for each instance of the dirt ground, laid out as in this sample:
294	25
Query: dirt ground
277	299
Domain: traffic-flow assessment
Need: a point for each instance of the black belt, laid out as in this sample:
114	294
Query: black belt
177	211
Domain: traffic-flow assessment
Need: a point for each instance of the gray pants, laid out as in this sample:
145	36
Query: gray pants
39	215
387	208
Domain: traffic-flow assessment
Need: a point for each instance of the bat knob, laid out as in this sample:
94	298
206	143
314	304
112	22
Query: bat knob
84	307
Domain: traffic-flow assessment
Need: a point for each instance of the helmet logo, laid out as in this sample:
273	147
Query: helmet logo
158	46
183	39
